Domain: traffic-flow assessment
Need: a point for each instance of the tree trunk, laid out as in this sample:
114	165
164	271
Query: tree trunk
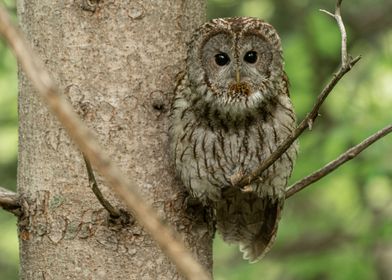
116	61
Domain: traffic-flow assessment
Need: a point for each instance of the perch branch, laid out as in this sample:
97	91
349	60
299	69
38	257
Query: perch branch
346	156
83	137
9	201
338	17
307	122
94	186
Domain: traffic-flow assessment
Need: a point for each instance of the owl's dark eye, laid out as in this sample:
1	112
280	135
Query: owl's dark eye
250	57
222	59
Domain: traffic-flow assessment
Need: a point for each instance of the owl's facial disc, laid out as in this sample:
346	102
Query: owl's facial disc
237	88
236	68
240	88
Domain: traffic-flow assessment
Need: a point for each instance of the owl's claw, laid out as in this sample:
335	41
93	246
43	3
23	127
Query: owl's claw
236	177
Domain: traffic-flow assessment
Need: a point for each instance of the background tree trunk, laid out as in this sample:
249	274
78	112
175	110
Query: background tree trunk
116	61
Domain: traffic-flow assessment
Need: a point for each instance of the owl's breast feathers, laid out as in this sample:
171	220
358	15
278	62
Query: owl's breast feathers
230	112
209	147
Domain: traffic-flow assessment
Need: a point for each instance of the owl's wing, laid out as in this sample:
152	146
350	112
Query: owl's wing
250	220
286	82
262	242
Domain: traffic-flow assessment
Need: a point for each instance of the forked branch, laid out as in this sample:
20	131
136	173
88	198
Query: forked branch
83	137
307	122
338	17
114	213
346	156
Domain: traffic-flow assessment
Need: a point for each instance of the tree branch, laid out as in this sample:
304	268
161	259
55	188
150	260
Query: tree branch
83	137
346	156
347	63
338	17
9	201
114	213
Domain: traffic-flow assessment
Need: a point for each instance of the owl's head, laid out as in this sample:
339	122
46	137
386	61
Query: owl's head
235	63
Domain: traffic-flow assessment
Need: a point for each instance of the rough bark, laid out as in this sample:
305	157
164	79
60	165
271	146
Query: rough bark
117	62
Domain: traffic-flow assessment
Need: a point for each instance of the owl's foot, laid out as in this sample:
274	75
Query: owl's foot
237	176
247	188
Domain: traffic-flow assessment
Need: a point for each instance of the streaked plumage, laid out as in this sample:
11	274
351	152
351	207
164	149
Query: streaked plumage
229	113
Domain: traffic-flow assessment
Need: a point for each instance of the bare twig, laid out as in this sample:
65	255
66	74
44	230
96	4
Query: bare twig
83	137
114	213
307	122
309	119
346	156
9	201
338	17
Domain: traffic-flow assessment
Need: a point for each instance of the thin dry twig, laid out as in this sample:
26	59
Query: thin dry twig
9	201
307	122
114	213
83	137
331	166
338	17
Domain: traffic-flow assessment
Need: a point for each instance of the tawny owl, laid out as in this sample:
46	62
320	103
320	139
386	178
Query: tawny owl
231	110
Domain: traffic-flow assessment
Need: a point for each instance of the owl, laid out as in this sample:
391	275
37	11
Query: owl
231	110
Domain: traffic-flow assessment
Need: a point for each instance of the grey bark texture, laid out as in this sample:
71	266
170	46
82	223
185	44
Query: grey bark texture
117	63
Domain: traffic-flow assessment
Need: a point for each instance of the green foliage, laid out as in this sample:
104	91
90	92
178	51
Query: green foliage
299	71
9	258
330	230
329	43
8	150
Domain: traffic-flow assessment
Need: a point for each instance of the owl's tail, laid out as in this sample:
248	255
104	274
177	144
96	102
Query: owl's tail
250	220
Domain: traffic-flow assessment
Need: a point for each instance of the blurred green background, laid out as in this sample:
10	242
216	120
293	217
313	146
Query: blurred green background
341	227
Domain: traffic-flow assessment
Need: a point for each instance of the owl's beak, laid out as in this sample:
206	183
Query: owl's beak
237	76
239	88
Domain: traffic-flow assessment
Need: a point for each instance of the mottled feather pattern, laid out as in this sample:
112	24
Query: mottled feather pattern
217	131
